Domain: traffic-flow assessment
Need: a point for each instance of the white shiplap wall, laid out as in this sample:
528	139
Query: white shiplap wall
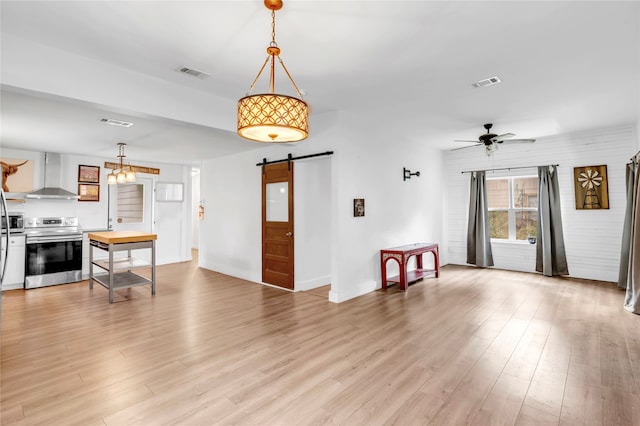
592	237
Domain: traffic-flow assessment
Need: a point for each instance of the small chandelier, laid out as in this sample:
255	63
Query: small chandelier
124	173
270	117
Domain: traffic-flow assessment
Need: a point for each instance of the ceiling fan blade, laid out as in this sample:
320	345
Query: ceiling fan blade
518	141
459	140
465	147
502	137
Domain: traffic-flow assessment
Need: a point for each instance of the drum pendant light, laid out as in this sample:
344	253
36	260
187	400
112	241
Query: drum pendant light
270	117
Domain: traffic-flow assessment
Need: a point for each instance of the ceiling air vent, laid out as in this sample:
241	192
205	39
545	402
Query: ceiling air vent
487	82
194	72
114	122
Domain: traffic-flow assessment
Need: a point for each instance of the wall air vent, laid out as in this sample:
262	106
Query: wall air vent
487	82
116	122
194	72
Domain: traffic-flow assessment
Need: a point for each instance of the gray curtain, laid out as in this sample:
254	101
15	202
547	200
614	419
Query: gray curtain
623	273
551	258
632	296
478	236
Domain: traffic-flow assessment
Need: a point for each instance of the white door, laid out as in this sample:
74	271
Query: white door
131	209
131	206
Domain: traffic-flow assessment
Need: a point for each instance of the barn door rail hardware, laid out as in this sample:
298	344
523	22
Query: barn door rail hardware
290	158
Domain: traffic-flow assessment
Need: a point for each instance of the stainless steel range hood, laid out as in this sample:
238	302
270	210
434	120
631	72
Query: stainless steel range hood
52	189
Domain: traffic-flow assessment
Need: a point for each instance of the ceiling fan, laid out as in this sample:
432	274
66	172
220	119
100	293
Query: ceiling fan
491	140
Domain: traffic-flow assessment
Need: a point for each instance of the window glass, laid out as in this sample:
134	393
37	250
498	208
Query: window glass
525	192
277	202
499	224
512	203
526	222
498	193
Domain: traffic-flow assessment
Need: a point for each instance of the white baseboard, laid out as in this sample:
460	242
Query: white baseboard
312	283
17	286
344	294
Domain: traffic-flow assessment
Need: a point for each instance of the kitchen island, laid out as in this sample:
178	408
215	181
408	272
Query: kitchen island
118	272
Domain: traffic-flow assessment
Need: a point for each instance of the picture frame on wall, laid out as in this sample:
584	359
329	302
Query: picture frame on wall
358	207
88	174
88	192
17	174
591	187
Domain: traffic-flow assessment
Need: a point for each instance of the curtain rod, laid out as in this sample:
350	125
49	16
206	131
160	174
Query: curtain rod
290	158
509	168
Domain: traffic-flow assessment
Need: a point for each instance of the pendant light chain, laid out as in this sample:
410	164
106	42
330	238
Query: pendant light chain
274	51
121	154
273	29
271	56
275	44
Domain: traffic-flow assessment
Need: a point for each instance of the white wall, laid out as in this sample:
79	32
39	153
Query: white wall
231	231
312	221
370	165
172	221
592	237
397	212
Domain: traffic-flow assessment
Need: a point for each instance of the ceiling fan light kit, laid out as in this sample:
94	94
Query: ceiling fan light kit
271	117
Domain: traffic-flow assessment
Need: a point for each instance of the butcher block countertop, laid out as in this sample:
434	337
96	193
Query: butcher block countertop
119	237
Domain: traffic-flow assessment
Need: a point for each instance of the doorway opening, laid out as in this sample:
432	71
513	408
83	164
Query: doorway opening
313	225
197	211
132	206
297	225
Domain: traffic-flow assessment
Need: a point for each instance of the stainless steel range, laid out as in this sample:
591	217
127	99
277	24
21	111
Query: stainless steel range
53	251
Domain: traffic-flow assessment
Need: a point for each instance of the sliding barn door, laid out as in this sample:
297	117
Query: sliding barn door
277	224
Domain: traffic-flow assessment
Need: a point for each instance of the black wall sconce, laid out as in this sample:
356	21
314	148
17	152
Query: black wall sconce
406	174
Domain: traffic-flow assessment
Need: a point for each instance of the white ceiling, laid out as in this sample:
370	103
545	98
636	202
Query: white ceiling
406	65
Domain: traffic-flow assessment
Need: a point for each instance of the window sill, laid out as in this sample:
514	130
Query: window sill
513	242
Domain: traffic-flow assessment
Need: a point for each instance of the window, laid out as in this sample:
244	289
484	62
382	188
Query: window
130	205
513	207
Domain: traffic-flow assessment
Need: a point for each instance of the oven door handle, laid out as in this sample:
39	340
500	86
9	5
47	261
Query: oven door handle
53	239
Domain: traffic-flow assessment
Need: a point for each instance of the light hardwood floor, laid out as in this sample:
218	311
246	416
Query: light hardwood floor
474	346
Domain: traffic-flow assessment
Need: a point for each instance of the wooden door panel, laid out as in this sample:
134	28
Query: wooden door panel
280	175
276	231
277	236
275	278
275	250
277	266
